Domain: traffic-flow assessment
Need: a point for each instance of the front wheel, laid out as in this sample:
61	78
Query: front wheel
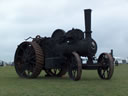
75	66
106	69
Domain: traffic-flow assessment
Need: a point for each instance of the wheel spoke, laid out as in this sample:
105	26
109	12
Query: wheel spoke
103	73
28	72
23	73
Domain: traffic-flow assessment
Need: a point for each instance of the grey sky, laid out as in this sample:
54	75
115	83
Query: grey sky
20	19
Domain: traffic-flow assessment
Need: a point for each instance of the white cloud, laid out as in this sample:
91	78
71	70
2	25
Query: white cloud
20	19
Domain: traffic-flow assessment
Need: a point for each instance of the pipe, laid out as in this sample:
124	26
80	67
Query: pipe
87	15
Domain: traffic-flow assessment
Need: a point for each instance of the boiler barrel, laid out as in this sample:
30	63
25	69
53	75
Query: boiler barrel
85	47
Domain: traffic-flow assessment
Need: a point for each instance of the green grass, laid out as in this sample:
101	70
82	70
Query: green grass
89	85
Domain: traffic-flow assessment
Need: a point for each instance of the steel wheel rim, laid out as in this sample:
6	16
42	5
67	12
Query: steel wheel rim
58	72
75	70
28	60
106	69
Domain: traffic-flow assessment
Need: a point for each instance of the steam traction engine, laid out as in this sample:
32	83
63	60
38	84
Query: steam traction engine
62	53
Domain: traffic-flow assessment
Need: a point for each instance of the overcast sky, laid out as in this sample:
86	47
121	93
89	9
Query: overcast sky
20	19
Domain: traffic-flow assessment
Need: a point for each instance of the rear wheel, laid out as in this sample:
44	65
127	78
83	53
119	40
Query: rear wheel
58	72
29	60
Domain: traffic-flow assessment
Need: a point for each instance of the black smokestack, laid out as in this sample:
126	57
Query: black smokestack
111	52
87	14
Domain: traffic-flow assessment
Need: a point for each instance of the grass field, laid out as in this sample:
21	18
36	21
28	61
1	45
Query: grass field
89	85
